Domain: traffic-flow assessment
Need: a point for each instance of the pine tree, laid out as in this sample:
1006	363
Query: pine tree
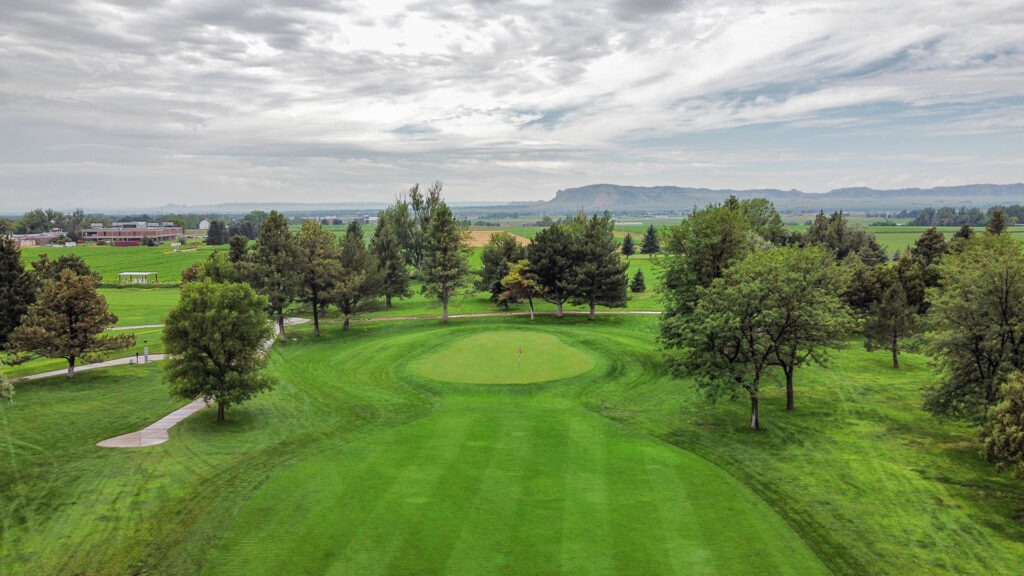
17	288
445	258
387	249
1002	435
553	257
318	260
501	251
600	270
67	322
637	285
217	234
359	278
272	270
996	221
628	248
650	244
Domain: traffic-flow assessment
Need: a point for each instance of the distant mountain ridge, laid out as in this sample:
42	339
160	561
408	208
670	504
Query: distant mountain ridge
617	198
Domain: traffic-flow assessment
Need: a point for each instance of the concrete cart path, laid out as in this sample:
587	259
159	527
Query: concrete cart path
155	433
114	362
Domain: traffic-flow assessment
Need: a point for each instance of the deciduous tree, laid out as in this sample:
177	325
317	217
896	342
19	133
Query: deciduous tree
216	339
67	322
501	251
890	321
521	284
1002	435
977	325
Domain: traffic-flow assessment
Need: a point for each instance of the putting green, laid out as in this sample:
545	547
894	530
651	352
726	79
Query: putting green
494	357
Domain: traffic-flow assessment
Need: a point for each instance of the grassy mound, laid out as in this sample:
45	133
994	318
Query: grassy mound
502	357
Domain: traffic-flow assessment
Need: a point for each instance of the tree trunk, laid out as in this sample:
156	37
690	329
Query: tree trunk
444	309
530	300
220	412
895	351
344	325
387	300
593	307
789	387
280	325
755	422
71	367
316	319
559	308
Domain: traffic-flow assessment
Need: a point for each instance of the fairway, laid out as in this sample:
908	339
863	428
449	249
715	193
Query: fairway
502	357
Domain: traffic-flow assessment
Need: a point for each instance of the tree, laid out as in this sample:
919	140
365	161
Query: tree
272	270
319	261
46	269
521	284
66	322
628	248
650	243
698	251
17	288
804	315
976	325
445	257
501	251
863	284
726	347
237	247
386	248
423	208
1002	435
216	339
359	278
637	285
890	321
217	267
553	256
217	234
930	246
600	270
996	221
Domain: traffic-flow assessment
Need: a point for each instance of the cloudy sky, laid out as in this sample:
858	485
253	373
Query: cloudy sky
143	103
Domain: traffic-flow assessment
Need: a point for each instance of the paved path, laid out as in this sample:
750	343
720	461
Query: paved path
114	362
155	433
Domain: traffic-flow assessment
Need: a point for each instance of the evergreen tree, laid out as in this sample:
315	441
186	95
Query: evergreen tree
387	249
930	246
67	322
553	256
628	248
17	288
238	245
637	285
272	270
600	270
890	321
359	278
217	234
445	258
996	221
650	243
45	269
320	267
501	251
215	338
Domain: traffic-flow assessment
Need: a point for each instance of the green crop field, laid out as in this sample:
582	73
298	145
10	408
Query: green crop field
366	459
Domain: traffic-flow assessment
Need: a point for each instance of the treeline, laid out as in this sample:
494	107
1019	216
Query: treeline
947	216
743	298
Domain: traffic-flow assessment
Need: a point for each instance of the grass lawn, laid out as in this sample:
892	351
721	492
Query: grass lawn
109	261
366	460
140	306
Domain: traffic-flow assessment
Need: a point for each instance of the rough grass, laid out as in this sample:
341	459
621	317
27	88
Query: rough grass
109	261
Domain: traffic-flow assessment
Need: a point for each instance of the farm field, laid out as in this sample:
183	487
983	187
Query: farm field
366	459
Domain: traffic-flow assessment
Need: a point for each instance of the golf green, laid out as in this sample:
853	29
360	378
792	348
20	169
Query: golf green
503	357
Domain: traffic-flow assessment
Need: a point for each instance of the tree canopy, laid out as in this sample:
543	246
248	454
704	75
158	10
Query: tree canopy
216	339
272	269
17	288
319	257
445	258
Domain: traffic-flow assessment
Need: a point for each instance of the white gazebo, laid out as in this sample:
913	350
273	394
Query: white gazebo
136	277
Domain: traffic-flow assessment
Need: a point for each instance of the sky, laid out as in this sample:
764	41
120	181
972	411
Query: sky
146	103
